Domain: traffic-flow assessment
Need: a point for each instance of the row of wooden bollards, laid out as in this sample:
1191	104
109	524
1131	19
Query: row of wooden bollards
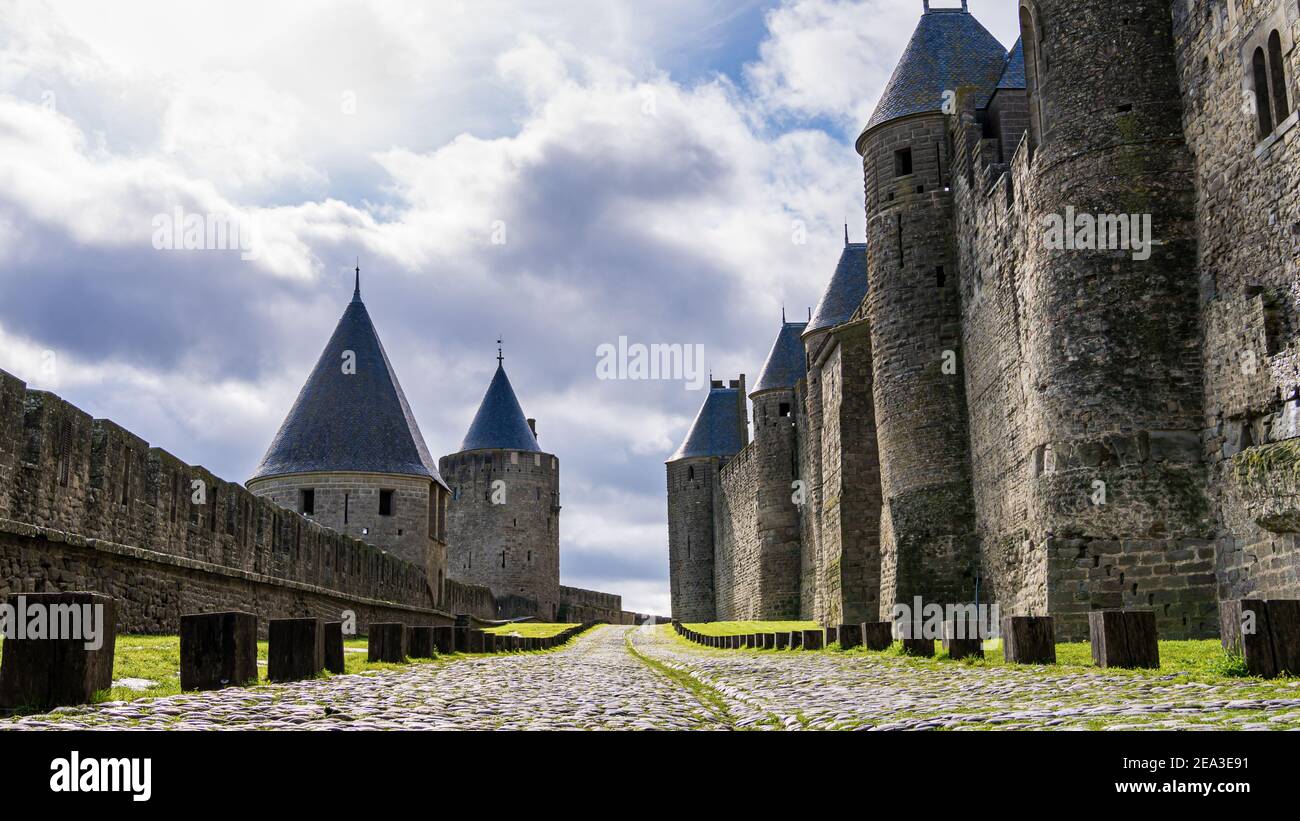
1265	634
41	672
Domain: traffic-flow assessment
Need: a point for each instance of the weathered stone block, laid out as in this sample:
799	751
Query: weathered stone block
1029	640
849	635
877	635
295	649
1124	638
387	642
44	673
334	654
218	650
419	642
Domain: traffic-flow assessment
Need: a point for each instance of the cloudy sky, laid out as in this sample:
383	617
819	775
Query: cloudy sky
561	174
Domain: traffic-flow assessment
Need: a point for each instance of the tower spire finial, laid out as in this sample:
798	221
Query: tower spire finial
356	293
500	356
846	233
783	313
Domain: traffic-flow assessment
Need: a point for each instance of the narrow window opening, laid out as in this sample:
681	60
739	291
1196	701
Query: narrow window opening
783	409
345	508
126	476
938	276
1278	69
1260	68
902	162
503	558
385	503
307	501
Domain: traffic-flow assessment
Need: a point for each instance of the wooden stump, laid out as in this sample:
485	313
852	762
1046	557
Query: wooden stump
44	673
1124	638
877	635
1029	640
477	642
796	639
387	642
419	642
812	640
918	647
296	649
961	639
334	654
769	641
850	636
218	650
832	635
444	640
462	639
489	642
1265	634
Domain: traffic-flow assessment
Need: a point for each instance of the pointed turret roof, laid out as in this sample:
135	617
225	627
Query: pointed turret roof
949	50
844	292
500	423
716	430
786	363
351	415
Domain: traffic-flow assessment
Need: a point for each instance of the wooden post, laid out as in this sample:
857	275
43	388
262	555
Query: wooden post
296	649
812	639
1124	638
218	650
832	635
387	642
1029	639
419	642
961	639
1265	634
918	647
44	673
444	640
877	635
850	636
334	655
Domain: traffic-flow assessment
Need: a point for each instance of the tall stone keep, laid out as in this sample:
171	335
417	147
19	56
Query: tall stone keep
504	516
719	432
350	455
913	307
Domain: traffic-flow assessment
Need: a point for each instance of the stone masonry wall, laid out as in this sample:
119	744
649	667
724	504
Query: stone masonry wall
1247	220
80	481
736	544
691	485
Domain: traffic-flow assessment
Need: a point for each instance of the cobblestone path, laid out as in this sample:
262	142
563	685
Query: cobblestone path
663	682
871	691
594	683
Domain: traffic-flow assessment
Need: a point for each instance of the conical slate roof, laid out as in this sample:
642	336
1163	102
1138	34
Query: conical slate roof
786	363
716	429
350	422
844	292
1013	74
949	51
500	423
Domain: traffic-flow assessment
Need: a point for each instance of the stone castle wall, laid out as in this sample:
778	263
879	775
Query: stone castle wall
88	505
690	537
1247	218
511	546
737	559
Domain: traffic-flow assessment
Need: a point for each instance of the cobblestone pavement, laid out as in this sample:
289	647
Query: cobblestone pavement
872	691
668	683
594	683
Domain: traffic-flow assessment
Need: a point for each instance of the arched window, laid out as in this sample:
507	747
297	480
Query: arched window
1278	77
1260	71
1034	70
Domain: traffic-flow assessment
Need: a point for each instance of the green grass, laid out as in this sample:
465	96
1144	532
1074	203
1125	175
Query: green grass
529	629
743	628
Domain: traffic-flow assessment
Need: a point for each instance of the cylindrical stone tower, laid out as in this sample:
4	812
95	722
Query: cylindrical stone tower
1114	384
928	547
776	461
719	431
350	455
503	521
